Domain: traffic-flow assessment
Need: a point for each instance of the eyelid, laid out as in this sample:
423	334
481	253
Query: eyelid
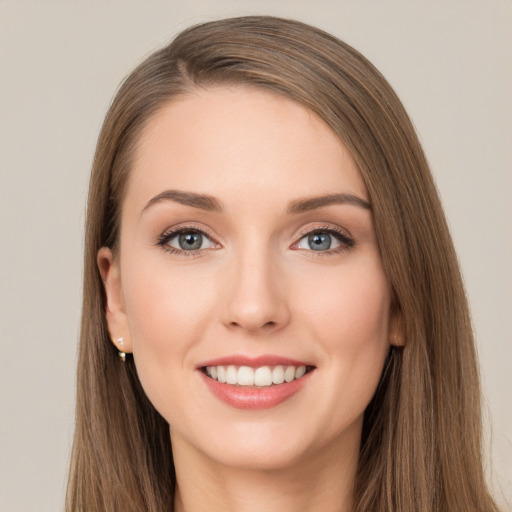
313	228
343	236
172	232
188	226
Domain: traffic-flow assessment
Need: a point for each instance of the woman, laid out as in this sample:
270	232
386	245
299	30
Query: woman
267	253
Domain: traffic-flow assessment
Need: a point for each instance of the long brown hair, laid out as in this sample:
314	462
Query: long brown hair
421	444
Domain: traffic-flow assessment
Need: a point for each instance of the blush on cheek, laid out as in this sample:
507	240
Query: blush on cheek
357	319
166	318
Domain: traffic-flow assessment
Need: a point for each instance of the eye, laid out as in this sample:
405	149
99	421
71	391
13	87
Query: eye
324	241
186	240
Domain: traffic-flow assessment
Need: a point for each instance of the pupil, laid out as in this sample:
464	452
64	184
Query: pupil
190	241
319	241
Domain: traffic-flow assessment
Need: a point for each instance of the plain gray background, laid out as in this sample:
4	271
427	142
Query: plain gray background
60	63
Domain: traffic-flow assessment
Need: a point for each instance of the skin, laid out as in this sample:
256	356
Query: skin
256	288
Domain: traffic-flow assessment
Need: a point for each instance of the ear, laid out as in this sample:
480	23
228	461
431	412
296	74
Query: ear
117	320
396	328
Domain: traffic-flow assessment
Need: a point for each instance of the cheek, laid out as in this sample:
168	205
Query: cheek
164	301
350	318
351	305
167	314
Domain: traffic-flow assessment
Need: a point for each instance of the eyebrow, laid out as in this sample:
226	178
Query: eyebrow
212	204
312	203
201	201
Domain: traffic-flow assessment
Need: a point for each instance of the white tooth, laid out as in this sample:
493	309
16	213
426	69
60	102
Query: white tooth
245	376
289	373
213	372
221	374
263	376
300	371
278	375
231	375
209	371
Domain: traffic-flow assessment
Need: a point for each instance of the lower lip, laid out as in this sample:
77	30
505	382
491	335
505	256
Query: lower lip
254	398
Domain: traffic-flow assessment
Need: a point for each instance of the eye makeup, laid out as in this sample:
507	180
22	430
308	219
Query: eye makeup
190	240
193	241
318	241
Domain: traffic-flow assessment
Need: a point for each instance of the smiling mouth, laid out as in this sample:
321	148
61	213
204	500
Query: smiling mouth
260	377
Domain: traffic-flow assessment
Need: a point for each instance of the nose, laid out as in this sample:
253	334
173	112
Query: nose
256	295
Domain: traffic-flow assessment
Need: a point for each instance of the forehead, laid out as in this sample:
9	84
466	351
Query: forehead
240	141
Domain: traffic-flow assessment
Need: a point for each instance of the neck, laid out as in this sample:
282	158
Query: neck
324	481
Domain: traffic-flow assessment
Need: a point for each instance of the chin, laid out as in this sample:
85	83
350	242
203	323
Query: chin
269	446
270	457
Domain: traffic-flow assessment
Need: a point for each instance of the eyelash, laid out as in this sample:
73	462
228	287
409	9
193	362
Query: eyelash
346	241
167	236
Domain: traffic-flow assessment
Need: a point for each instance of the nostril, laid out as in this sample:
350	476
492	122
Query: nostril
266	326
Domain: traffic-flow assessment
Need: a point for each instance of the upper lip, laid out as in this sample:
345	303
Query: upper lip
253	362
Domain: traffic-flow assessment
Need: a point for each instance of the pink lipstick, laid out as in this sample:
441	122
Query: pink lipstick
255	382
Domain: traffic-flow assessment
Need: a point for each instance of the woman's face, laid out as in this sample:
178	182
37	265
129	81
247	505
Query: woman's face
248	252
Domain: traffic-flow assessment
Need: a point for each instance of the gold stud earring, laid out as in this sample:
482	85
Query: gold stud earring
122	354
